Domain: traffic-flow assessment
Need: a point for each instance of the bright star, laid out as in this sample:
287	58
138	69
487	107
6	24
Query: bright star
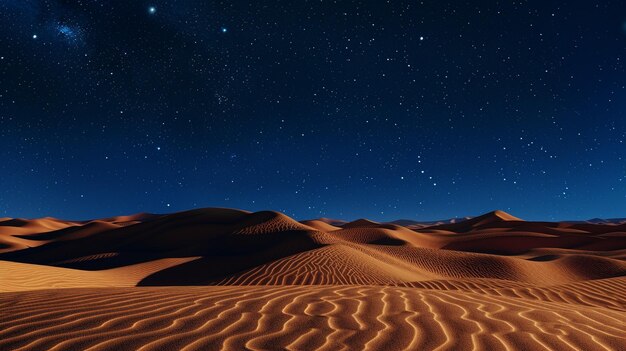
152	10
224	29
34	36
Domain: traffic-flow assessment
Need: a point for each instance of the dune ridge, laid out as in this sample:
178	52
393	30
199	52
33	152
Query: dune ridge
228	279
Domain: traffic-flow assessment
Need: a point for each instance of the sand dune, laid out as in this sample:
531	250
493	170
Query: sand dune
25	276
229	279
320	225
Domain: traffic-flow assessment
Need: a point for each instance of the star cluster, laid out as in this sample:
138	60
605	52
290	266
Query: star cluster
385	109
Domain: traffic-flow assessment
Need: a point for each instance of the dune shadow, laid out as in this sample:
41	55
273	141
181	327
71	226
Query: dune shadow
544	258
13	222
389	242
212	268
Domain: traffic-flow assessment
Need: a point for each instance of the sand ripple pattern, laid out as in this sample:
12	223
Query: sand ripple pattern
300	318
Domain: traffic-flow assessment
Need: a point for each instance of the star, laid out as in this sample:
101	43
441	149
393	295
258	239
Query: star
224	29
34	36
152	10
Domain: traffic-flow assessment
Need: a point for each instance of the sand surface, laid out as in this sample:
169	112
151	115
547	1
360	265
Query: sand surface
221	279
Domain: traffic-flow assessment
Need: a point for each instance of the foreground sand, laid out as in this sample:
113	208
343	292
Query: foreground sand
263	281
314	317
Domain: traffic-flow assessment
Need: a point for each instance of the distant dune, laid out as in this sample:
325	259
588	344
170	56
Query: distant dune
229	279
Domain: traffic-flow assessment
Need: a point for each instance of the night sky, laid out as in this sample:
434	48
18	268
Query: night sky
348	109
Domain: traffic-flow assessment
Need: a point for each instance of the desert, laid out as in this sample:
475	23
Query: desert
225	279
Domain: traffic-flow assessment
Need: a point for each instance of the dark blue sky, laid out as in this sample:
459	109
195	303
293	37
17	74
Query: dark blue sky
385	110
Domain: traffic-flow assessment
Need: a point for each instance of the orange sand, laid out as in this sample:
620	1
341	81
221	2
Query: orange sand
221	279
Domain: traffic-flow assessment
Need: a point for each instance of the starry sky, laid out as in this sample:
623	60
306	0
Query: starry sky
344	109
